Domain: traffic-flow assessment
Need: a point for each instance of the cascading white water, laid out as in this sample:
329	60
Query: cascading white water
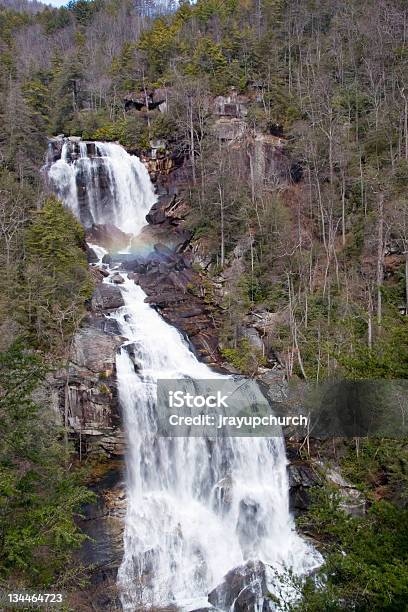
106	186
180	538
196	508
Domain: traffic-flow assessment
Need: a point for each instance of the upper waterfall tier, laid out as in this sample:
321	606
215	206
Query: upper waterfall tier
100	182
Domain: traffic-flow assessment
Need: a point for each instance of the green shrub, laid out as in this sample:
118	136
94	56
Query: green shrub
56	281
40	493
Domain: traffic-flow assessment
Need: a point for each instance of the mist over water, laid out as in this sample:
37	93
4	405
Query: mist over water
196	507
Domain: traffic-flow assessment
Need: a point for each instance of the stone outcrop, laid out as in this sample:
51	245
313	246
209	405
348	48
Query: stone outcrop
103	522
244	589
307	475
302	479
86	387
108	236
88	392
168	279
106	297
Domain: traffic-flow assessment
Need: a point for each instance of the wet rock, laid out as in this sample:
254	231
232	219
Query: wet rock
108	236
169	281
134	276
103	522
223	494
207	609
244	589
135	264
251	525
302	478
107	259
105	273
117	279
107	297
133	354
91	255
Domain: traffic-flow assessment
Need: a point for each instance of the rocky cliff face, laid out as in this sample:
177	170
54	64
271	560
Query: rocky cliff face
86	388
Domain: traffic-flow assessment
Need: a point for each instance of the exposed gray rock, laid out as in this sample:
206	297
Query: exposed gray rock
254	338
352	500
302	478
108	236
94	350
107	297
117	279
103	522
87	389
227	128
91	255
275	383
244	589
223	494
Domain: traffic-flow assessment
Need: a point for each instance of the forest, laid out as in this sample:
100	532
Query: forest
327	246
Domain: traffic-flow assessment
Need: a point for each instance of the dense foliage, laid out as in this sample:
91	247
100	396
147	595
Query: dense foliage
56	281
39	490
365	557
329	250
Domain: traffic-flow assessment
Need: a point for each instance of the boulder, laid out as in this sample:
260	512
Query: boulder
104	271
156	214
107	297
164	251
134	276
251	525
133	354
164	268
135	264
91	255
302	477
117	279
254	338
108	236
244	589
352	500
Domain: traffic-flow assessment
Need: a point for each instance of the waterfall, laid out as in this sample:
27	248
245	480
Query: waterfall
196	508
102	184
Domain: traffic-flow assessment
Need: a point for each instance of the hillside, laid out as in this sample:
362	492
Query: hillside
276	133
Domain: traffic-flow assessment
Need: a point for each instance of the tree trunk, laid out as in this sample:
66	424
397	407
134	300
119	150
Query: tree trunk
380	258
